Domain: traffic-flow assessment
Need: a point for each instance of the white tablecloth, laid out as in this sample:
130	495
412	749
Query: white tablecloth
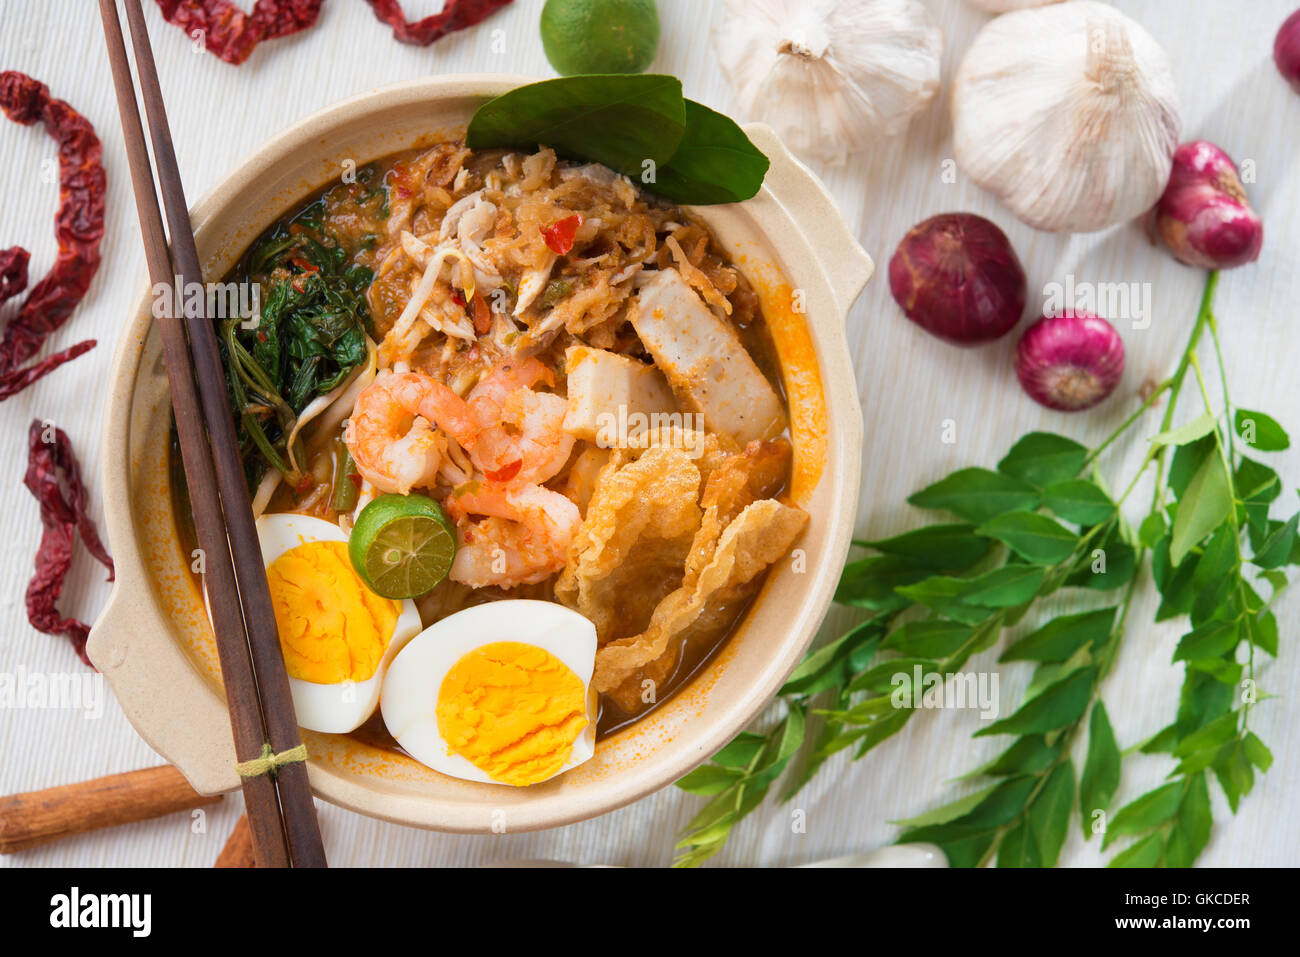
910	384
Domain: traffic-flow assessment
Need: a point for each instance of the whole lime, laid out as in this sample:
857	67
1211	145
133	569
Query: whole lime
600	36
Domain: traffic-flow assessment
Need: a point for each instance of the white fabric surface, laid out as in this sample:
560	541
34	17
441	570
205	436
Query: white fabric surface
910	384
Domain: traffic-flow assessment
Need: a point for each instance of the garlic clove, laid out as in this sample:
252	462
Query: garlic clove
830	77
1069	114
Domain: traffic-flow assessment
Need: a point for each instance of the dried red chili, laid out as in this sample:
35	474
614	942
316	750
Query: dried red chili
14	382
559	235
54	477
455	15
13	272
232	34
78	227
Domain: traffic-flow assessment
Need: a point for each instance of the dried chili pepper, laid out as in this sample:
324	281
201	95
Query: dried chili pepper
455	15
14	382
78	227
13	272
232	34
54	477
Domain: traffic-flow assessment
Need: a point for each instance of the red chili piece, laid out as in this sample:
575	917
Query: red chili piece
482	314
506	472
78	227
455	15
231	33
559	235
54	477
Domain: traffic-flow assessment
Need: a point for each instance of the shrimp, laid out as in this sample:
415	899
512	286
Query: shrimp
523	537
391	432
521	432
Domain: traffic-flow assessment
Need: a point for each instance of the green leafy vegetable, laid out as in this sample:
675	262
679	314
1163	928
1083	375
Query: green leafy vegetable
946	591
639	125
309	337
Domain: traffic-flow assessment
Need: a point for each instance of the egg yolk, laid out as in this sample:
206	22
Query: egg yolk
332	627
513	711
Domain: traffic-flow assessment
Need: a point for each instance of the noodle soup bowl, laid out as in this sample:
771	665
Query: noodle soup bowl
153	642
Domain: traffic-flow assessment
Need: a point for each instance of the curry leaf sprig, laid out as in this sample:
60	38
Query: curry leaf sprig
1043	521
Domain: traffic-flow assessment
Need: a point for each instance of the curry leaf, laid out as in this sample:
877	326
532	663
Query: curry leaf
1200	426
1076	500
977	494
952	547
1144	853
1100	770
1058	706
1062	637
1005	587
1261	431
1049	814
1202	508
1148	811
1042	458
1034	537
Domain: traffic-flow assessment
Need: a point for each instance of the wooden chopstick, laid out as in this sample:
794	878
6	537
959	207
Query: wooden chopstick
282	817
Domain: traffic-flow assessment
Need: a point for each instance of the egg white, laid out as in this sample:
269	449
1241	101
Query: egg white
332	708
410	696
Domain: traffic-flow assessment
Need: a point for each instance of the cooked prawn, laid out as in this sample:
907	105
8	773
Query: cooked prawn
523	537
398	430
521	431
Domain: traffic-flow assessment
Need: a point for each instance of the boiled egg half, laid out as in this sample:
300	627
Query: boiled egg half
498	693
337	636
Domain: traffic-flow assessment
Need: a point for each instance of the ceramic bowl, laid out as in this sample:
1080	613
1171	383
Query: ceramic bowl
153	642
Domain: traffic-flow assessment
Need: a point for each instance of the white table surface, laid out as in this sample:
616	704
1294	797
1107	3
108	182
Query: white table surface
910	384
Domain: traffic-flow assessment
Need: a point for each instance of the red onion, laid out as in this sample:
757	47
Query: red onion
1286	50
1204	216
957	277
1071	361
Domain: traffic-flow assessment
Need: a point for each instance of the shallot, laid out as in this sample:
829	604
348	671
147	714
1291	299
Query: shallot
1204	216
1286	50
1071	361
957	277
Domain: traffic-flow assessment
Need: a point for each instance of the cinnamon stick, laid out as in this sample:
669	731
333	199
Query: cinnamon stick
38	817
238	851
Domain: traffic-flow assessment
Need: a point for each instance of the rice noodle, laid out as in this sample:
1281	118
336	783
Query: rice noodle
425	288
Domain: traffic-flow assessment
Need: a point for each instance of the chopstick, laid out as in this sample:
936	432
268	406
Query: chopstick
282	817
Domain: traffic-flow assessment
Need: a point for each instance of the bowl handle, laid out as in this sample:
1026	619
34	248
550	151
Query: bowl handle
847	264
132	647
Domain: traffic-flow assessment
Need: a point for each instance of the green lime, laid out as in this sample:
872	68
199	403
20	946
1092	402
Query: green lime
402	545
600	36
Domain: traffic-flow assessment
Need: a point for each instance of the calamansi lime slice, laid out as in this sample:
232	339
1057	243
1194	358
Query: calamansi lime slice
402	545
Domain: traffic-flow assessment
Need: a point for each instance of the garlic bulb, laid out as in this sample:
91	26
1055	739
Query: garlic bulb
1067	113
830	75
1003	6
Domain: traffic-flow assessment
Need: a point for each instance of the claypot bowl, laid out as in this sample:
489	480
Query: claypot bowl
153	642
